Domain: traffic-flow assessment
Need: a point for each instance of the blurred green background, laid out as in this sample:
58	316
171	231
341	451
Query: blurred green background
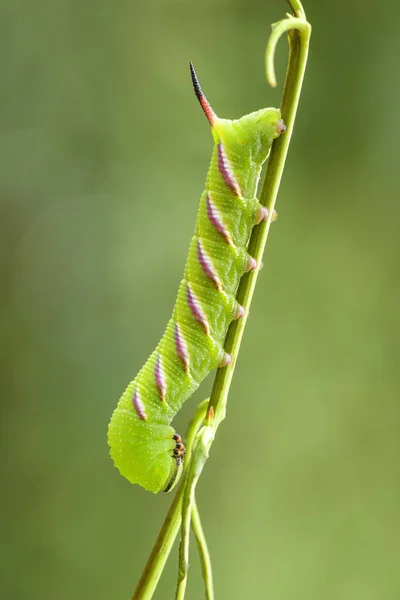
103	156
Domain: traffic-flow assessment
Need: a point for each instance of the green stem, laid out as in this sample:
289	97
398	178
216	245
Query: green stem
298	9
188	502
186	512
203	552
299	31
199	455
160	552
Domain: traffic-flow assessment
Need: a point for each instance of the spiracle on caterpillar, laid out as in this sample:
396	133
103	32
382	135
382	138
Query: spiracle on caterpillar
143	445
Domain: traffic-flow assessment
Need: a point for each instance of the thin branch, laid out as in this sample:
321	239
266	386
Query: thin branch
203	552
201	446
160	552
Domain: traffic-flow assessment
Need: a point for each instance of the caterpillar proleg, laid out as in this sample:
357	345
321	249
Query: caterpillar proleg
144	446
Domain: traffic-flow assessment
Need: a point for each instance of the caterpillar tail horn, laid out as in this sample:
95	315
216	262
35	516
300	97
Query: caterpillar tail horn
205	105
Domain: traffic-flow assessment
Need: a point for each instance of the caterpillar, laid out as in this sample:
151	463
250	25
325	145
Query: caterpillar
143	445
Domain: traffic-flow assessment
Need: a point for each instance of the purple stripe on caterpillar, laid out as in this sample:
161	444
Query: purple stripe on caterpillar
197	311
159	375
216	220
181	348
207	266
138	405
226	171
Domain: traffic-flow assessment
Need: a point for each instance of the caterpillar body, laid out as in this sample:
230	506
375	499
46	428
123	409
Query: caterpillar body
144	447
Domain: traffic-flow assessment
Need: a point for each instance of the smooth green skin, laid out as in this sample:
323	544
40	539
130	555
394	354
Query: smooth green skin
142	450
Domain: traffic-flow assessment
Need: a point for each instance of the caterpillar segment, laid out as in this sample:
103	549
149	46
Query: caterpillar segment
143	445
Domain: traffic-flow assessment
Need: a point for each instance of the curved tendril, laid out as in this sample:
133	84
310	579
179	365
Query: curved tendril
278	29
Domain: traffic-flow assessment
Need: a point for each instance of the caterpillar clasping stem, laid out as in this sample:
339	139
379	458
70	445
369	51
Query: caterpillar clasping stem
144	446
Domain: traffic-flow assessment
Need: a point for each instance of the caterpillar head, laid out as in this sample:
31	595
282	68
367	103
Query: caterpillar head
257	131
251	135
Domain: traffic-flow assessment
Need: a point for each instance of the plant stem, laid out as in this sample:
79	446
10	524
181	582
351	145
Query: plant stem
203	552
188	502
299	31
297	8
160	552
199	455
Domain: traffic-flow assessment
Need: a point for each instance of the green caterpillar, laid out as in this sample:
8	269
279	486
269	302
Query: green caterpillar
144	447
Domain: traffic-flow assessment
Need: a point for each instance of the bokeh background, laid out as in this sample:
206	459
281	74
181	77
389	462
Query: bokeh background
103	155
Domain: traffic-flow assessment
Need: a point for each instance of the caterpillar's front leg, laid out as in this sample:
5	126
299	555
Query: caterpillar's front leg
178	454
